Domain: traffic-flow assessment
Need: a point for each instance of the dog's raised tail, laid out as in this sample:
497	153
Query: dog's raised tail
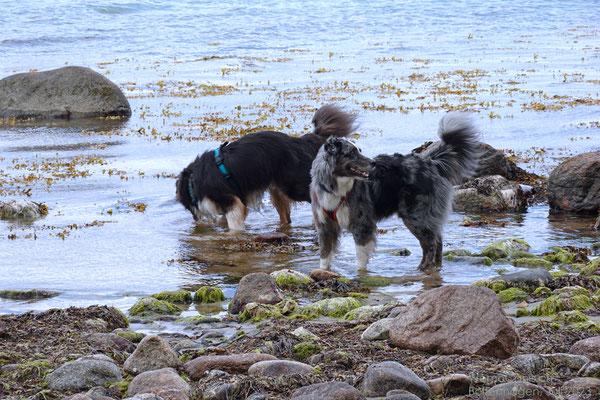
457	154
331	120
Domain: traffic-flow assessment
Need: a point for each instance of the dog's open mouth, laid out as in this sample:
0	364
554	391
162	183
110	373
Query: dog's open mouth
358	172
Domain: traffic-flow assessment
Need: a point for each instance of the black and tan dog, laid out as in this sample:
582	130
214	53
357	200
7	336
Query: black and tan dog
353	192
227	180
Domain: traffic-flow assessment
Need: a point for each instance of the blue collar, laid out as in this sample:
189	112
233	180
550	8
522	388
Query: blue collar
220	164
191	189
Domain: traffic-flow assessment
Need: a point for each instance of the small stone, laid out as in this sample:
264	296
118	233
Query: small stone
571	361
589	347
582	385
378	330
399	394
335	307
304	334
174	296
277	368
149	306
208	294
364	313
166	377
451	385
329	390
289	278
518	390
529	364
105	341
382	377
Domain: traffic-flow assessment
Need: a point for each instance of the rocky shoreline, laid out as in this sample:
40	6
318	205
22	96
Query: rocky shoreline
291	336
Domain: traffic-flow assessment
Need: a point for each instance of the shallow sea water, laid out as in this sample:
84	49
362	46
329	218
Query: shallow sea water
197	73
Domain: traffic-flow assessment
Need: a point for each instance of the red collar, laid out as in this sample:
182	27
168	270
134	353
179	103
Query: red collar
331	214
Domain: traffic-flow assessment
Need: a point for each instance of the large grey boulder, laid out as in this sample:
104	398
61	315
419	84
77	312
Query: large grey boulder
67	93
574	185
83	374
589	347
456	319
382	377
255	288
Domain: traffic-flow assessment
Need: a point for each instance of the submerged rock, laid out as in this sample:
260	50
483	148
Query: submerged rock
257	287
505	248
574	185
492	193
66	93
527	280
174	296
456	319
472	260
22	209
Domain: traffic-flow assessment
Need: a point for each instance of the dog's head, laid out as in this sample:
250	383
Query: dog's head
184	188
347	159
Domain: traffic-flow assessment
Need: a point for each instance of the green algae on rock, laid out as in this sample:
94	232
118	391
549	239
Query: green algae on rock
150	306
289	277
208	294
305	349
174	296
571	317
565	299
335	307
364	312
504	248
531	263
512	294
32	294
375	280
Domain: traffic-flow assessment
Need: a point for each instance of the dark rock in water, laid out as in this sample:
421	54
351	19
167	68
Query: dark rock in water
33	294
574	185
518	390
255	288
494	162
272	237
456	319
65	93
83	374
382	377
472	260
527	279
492	193
326	391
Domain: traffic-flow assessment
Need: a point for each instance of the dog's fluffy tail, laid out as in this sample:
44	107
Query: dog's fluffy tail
331	120
457	154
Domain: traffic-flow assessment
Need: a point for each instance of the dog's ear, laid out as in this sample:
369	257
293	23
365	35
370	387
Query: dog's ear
333	146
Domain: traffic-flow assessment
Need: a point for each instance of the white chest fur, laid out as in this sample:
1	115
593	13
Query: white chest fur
333	202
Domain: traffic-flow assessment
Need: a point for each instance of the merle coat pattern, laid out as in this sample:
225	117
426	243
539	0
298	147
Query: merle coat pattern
416	187
257	162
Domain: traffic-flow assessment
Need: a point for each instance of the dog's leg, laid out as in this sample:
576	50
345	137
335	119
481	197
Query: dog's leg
329	233
236	215
431	245
363	254
281	203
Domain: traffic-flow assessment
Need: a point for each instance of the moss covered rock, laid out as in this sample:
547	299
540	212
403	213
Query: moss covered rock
571	317
256	312
522	312
542	291
504	248
531	263
522	254
150	306
364	312
512	294
174	296
305	349
132	336
197	320
565	299
559	256
208	294
592	268
456	252
471	260
289	277
335	307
